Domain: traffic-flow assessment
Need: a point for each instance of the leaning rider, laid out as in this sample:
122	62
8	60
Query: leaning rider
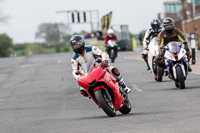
90	53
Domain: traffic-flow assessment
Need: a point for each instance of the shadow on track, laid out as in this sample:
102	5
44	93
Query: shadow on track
124	115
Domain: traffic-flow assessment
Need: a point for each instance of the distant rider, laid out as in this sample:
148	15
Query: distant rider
91	53
110	36
150	34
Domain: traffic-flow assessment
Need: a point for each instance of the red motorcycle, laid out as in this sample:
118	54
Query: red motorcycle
103	88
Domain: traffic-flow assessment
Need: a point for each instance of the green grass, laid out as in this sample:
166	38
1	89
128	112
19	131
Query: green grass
18	52
49	50
101	45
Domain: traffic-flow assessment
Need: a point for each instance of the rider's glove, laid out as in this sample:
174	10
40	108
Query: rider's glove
189	55
187	49
104	63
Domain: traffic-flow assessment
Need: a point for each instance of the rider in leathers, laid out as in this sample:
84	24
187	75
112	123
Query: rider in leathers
169	34
90	53
111	36
150	34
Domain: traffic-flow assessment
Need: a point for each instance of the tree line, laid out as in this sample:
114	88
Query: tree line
55	36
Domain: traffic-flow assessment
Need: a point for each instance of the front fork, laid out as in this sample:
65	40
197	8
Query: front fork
174	70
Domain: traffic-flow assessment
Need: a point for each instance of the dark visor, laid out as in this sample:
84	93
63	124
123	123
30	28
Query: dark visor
155	26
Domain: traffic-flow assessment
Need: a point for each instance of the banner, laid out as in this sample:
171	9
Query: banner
105	22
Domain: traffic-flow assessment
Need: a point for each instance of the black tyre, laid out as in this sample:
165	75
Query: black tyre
177	84
112	60
107	106
126	108
159	74
180	77
112	56
154	70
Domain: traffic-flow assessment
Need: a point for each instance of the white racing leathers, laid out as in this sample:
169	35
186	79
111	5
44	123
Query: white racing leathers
149	34
91	54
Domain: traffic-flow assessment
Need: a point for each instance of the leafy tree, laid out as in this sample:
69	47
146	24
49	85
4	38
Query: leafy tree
6	45
67	39
57	48
66	49
20	46
52	32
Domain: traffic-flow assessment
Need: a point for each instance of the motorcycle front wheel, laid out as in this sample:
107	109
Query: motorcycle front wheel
180	77
112	56
159	74
106	104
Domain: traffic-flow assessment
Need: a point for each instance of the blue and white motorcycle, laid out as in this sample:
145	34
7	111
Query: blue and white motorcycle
176	63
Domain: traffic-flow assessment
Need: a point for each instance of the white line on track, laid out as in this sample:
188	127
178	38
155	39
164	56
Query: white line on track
1	100
136	88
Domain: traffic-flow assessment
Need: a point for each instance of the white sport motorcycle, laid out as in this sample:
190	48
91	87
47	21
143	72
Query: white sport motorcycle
157	71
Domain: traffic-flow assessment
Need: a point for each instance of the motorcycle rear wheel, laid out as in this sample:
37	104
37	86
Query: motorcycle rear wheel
107	106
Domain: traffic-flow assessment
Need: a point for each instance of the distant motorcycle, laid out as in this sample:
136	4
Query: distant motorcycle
103	88
156	70
112	50
176	62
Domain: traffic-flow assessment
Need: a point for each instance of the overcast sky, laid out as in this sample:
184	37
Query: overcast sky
27	15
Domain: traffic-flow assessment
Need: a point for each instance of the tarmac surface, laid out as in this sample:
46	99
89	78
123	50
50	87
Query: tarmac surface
39	95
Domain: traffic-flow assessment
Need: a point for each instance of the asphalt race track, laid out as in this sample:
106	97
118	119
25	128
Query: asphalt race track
39	95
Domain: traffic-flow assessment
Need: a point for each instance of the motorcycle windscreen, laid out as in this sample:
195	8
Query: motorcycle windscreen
154	40
86	67
111	43
173	47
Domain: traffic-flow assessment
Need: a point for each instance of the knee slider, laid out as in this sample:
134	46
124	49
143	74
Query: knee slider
115	71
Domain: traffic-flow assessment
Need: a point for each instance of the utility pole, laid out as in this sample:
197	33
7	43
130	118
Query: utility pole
193	29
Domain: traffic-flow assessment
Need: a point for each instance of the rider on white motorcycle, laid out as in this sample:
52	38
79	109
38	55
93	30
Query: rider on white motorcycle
149	34
90	53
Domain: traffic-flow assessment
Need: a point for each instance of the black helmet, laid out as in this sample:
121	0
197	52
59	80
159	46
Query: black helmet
77	43
166	22
155	24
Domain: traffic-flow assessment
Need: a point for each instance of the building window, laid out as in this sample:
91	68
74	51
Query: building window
171	8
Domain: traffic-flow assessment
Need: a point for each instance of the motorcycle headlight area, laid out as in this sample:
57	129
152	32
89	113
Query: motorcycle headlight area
169	56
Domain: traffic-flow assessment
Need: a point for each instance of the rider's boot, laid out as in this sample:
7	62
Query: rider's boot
189	68
148	68
166	72
126	89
